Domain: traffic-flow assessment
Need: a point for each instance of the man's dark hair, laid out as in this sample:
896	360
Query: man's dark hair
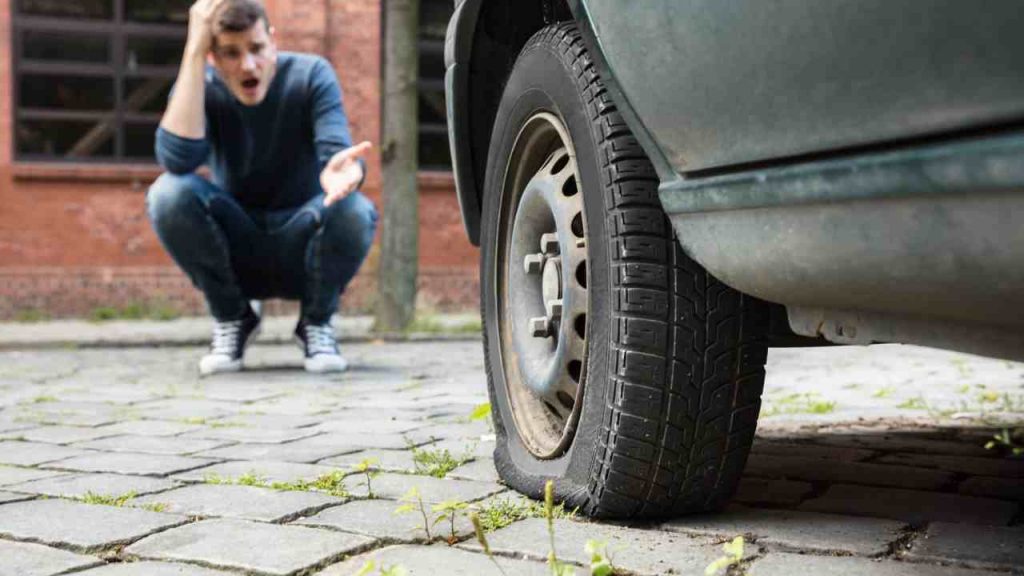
240	15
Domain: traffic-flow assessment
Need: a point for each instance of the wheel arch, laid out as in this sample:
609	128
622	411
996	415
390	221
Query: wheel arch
483	41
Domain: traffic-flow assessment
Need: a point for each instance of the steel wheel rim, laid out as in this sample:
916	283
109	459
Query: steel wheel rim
543	277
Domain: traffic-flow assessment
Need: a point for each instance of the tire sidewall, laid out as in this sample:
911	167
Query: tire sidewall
543	79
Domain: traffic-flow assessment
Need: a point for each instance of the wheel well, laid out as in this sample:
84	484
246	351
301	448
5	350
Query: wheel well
502	30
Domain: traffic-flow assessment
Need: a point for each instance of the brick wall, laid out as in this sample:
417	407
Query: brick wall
74	238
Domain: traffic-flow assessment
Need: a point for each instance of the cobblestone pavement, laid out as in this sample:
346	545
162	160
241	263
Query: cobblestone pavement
121	462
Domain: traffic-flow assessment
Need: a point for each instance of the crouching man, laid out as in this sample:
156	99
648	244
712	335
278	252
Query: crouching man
282	216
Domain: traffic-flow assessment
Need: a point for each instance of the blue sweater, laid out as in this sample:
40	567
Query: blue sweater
267	156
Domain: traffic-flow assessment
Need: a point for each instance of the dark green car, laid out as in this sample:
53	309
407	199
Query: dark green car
662	189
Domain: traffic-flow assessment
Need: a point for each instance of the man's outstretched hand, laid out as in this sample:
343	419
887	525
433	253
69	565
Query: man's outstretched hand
343	173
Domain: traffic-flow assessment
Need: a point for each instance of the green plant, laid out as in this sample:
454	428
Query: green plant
883	392
916	403
733	555
370	566
499	513
600	560
557	568
43	399
1010	440
106	499
481	537
799	403
412	501
155	310
437	463
448	510
366	467
31	316
480	412
331	483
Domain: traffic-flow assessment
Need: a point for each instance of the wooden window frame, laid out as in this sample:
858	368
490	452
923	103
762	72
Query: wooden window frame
117	31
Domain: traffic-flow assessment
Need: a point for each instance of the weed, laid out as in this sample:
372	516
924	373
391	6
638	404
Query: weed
498	514
365	467
43	399
1009	440
733	555
31	316
557	568
430	324
412	501
481	412
370	566
251	479
883	392
135	311
807	403
106	499
600	561
331	483
481	537
916	403
437	463
155	507
448	510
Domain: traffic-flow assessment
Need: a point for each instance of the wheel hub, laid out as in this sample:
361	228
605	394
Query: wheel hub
545	301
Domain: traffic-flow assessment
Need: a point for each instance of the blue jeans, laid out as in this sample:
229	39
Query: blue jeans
233	255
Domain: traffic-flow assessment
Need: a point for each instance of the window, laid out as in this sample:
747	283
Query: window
434	153
92	76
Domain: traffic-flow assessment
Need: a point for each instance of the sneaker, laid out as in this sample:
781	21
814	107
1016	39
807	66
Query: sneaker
230	340
321	350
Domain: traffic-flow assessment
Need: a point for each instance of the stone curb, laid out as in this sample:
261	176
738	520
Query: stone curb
196	332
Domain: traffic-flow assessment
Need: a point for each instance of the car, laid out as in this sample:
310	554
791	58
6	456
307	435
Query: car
662	190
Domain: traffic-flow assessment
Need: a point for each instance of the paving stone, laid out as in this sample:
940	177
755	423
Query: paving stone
482	470
269	470
64	434
359	426
482	448
153	569
471	432
6	497
289	452
241	545
25	559
975	546
271	420
184	409
394	486
242	393
901	442
11	475
175	445
780	564
34	453
1001	467
387	460
78	485
774	448
252	435
765	491
434	560
83	527
812	469
638	551
132	463
789	529
377	518
149	428
911	505
1002	488
246	502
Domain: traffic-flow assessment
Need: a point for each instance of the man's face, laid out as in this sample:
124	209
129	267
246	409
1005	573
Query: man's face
246	62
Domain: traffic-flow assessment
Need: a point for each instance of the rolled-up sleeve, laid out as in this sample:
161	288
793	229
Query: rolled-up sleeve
330	125
180	155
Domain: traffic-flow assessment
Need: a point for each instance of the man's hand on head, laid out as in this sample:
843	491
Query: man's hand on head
343	173
202	23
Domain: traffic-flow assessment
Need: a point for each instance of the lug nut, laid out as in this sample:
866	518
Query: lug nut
540	327
534	263
549	244
555	309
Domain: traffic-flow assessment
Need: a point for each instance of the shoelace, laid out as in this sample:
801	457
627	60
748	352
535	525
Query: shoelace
225	337
320	340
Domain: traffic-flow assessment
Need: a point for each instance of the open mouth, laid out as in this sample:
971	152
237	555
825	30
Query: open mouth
250	83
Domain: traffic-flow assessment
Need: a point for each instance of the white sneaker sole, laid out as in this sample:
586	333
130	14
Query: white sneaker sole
320	365
221	367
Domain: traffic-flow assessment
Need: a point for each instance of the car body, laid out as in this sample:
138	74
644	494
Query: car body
859	163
